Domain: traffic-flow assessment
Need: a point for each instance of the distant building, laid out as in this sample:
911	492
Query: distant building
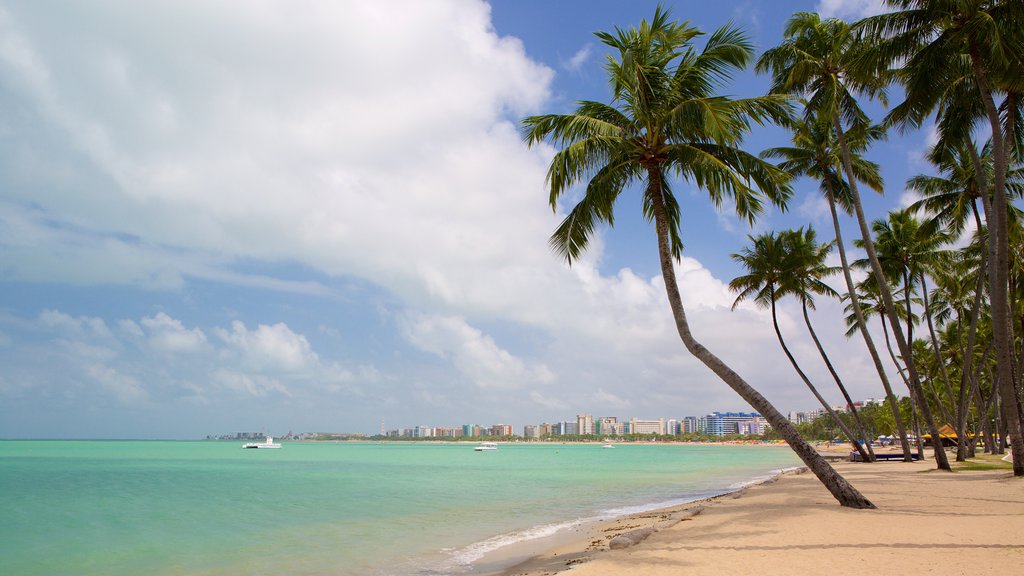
722	423
637	426
567	429
531	431
754	426
584	424
501	430
689	425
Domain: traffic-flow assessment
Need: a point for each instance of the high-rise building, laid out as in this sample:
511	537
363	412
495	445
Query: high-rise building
689	425
531	431
584	424
609	426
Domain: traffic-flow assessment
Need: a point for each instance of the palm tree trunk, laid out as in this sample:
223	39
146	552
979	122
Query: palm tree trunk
1002	331
839	382
935	347
824	404
839	487
851	288
968	375
915	382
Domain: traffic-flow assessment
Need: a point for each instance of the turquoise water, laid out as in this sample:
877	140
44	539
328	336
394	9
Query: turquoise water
205	508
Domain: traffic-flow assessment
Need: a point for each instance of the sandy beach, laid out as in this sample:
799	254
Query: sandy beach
927	522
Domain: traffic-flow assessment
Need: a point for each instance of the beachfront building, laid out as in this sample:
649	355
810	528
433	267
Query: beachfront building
501	430
722	423
805	417
754	426
689	425
609	426
637	426
531	431
584	424
566	429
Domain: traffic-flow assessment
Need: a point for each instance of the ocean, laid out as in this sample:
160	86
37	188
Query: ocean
165	508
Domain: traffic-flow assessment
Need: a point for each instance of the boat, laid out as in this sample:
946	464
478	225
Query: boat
484	446
268	444
607	446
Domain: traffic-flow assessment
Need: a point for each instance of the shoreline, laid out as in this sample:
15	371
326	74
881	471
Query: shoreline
590	538
967	521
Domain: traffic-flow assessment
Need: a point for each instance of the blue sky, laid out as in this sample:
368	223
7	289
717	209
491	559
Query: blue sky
241	215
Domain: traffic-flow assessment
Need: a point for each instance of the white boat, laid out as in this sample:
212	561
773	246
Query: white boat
483	446
268	444
607	446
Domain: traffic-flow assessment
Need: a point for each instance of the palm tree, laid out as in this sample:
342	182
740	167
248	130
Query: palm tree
815	153
770	265
666	117
958	294
948	49
816	59
807	271
907	249
870	304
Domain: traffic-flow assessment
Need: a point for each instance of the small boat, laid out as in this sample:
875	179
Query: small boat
483	446
607	446
268	444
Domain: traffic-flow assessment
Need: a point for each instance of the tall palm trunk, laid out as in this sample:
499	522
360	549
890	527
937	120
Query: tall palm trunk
824	404
1002	331
851	289
914	380
839	487
839	382
935	348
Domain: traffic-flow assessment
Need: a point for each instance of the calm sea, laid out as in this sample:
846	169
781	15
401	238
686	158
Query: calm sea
202	508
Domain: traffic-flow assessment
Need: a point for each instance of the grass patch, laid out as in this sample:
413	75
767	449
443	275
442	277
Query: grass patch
983	462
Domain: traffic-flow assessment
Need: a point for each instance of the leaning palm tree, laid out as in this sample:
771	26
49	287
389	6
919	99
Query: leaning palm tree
771	266
667	118
817	59
805	279
815	154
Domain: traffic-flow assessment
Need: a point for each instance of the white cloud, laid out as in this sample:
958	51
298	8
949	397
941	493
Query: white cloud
472	352
268	348
850	9
124	387
607	400
576	62
168	334
548	402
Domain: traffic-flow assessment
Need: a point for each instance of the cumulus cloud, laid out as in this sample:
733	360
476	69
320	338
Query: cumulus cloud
168	334
472	352
268	348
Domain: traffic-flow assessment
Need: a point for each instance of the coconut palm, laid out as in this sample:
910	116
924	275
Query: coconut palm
947	49
805	277
815	153
667	118
771	267
958	295
817	60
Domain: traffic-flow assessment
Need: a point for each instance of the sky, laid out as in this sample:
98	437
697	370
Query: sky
254	215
